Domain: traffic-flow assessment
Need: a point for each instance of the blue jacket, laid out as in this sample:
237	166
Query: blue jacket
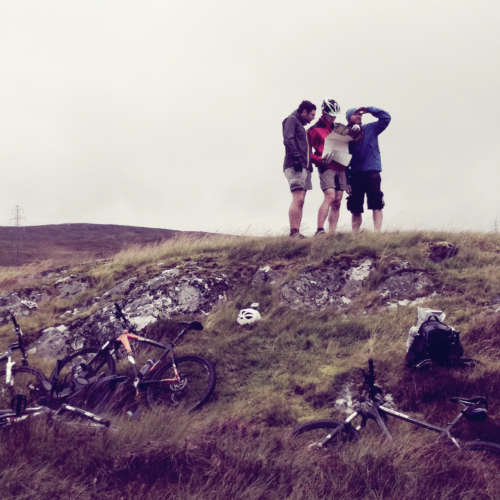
365	152
295	141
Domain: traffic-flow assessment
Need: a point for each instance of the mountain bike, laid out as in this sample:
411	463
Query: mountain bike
26	391
21	380
20	412
187	380
372	405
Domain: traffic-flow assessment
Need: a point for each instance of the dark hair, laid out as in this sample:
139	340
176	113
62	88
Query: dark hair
307	105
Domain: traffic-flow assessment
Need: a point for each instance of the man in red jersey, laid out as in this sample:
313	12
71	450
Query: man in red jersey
331	167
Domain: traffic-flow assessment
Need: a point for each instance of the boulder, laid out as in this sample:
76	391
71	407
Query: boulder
172	293
334	283
440	250
55	342
406	284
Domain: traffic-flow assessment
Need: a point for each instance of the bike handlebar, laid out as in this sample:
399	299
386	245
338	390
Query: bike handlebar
20	344
14	320
118	311
194	325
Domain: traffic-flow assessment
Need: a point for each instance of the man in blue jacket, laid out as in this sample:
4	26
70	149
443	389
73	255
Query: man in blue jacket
366	166
296	166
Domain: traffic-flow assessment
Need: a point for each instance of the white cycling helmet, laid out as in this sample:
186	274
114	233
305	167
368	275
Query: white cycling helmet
330	107
248	316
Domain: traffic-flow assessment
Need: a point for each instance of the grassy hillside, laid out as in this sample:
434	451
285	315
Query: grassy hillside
290	367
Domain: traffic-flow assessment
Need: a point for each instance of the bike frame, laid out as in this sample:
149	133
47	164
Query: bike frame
7	355
124	338
128	335
10	417
374	408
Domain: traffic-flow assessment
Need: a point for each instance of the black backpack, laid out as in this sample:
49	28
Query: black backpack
436	341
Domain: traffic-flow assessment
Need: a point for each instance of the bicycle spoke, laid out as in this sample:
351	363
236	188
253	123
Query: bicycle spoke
195	385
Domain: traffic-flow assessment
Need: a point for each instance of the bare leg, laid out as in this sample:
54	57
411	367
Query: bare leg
356	222
324	208
295	211
377	220
333	218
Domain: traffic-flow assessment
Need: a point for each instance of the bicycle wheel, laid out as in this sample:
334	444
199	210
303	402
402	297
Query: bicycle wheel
319	434
112	394
196	384
482	446
26	382
81	368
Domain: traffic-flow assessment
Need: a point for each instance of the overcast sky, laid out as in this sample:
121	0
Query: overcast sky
168	114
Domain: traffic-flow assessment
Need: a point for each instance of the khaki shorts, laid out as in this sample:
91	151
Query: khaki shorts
298	180
333	179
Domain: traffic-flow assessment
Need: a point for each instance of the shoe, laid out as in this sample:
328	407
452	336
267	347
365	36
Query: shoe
319	232
294	233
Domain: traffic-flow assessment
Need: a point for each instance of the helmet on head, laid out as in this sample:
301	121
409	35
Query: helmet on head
330	107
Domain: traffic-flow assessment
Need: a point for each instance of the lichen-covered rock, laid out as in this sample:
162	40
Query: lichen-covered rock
120	289
192	292
265	275
70	285
334	283
407	284
55	342
20	303
355	278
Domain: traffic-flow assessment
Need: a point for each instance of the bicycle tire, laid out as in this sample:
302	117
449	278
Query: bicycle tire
191	392
28	382
482	446
84	365
309	434
111	394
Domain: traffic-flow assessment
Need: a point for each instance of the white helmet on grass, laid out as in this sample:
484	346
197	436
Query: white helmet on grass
249	315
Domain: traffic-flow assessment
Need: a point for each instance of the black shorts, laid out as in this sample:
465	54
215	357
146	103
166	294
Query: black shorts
365	183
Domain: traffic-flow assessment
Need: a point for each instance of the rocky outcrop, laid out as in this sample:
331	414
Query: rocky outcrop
70	285
192	292
335	283
339	282
406	284
20	303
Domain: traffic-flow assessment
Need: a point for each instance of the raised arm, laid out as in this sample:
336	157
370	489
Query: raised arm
383	118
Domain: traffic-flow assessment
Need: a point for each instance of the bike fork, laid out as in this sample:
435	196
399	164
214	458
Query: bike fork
346	425
9	379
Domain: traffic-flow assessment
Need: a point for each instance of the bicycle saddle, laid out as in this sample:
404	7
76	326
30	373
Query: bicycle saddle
475	401
476	407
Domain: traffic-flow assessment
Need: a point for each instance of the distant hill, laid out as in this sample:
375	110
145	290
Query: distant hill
21	245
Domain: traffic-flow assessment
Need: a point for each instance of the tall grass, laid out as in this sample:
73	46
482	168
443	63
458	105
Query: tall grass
288	368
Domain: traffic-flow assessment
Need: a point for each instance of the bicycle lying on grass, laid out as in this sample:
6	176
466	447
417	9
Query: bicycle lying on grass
188	380
25	391
373	405
20	412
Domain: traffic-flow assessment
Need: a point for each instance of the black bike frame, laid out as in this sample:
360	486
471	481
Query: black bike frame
375	409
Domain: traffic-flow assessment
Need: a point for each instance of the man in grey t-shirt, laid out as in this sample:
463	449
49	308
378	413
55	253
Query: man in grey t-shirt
296	165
